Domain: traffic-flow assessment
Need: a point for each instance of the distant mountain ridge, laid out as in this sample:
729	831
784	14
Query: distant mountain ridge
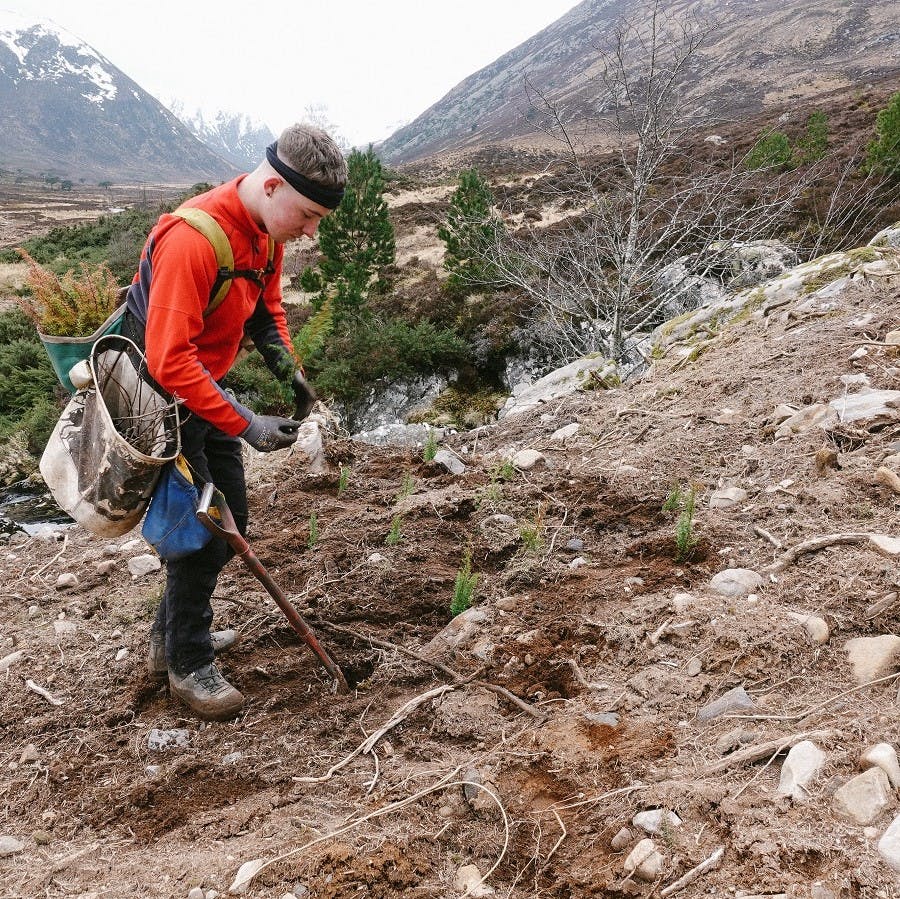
763	51
65	110
233	135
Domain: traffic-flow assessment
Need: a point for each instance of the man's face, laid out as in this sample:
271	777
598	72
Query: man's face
289	214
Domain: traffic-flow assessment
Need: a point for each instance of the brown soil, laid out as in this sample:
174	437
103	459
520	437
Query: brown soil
102	815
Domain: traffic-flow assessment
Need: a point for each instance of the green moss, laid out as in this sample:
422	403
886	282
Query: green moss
825	276
864	254
669	326
460	408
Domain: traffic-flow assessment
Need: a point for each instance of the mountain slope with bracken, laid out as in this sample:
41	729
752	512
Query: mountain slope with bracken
66	110
758	53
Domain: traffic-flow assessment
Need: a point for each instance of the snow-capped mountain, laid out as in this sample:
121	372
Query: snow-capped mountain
233	135
68	111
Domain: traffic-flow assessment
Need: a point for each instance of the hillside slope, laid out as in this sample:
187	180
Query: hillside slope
587	667
764	52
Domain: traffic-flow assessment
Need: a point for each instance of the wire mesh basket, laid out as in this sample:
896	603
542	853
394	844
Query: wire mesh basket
107	450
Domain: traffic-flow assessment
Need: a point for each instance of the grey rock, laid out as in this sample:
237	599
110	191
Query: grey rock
694	667
566	432
734	739
656	821
232	758
604	719
575	545
887	237
469	790
736	582
131	545
111	550
106	566
727	497
460	631
29	754
873	657
527	459
883	756
889	845
162	740
450	461
196	893
816	627
644	861
142	565
735	700
66	581
507	603
621	839
864	797
802	765
10	846
389	405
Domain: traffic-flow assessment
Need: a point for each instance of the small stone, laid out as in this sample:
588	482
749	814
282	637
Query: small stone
681	602
883	756
803	763
466	879
727	497
232	758
622	839
577	562
106	566
816	628
527	459
213	894
873	657
34	611
143	565
42	837
604	719
450	461
446	811
131	546
161	740
887	546
575	545
892	338
376	559
644	861
196	893
864	797
10	846
110	550
889	845
507	603
694	667
736	582
122	654
151	770
66	581
656	821
566	432
29	754
734	739
735	700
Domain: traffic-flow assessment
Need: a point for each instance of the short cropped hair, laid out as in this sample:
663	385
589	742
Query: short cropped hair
310	151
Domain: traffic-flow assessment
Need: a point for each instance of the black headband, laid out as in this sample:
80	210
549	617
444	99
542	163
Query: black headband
329	197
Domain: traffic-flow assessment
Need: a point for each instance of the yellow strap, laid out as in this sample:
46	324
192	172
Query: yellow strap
203	222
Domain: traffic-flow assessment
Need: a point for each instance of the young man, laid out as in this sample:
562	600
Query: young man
188	353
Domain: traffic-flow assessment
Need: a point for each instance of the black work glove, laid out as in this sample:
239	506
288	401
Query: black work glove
270	432
304	396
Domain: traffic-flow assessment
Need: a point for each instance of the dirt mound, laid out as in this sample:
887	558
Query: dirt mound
573	686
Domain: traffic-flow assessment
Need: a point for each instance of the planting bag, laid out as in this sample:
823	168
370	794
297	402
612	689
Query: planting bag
171	525
65	352
107	450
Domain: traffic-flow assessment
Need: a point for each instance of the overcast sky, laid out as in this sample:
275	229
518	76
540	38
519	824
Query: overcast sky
374	65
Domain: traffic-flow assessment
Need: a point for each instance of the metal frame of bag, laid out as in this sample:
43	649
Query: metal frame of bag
102	477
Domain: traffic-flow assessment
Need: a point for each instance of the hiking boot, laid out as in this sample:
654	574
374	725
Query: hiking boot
156	653
207	693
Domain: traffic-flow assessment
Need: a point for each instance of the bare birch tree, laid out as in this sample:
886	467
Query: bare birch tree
595	278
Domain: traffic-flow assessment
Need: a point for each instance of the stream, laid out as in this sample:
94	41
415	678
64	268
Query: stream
29	509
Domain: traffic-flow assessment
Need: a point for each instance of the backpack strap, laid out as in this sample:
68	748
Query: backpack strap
203	222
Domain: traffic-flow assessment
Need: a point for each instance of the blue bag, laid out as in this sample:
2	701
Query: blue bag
171	526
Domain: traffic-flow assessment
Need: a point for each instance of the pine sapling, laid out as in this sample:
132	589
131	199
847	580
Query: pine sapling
343	480
463	588
685	538
395	535
430	449
313	538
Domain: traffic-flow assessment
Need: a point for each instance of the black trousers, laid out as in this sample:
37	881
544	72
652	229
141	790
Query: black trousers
185	612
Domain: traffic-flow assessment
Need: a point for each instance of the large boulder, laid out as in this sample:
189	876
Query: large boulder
393	403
